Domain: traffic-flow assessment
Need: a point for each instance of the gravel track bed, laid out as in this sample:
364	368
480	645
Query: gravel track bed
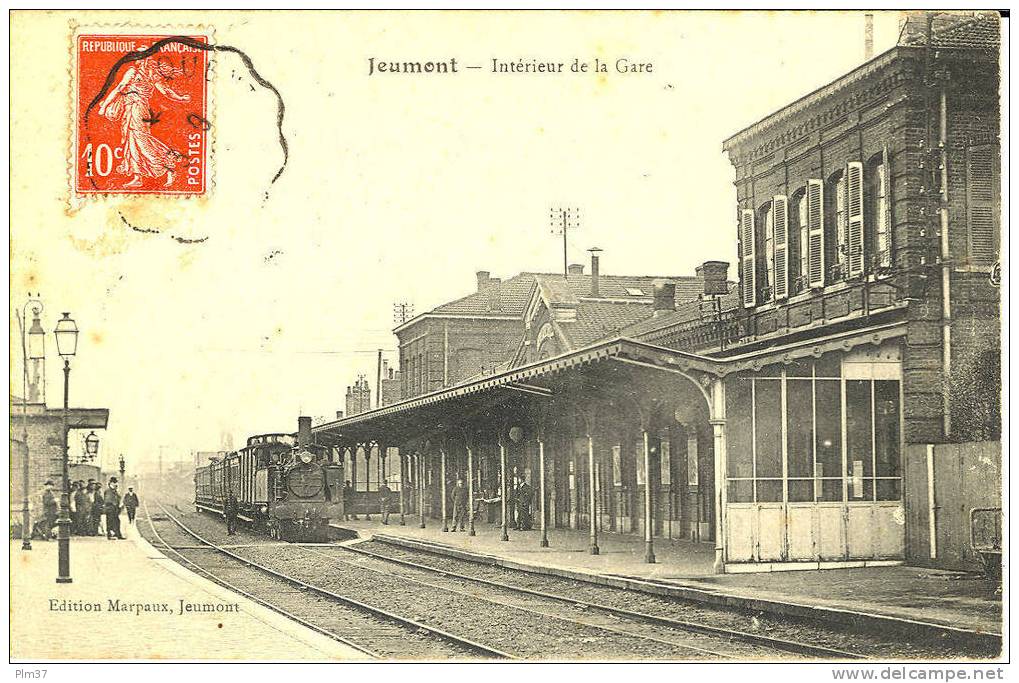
871	645
500	626
640	628
380	636
506	627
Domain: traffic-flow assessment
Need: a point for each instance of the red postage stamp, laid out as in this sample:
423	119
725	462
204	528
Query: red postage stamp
142	123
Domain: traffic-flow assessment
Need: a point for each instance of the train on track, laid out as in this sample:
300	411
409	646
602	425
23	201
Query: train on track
285	488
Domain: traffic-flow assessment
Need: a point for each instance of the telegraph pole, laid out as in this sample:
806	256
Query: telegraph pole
378	382
562	220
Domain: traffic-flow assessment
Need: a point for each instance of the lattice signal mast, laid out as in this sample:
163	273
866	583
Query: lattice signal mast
561	220
402	312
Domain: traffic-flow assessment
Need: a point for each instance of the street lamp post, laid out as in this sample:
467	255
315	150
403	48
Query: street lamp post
123	482
91	447
66	333
33	347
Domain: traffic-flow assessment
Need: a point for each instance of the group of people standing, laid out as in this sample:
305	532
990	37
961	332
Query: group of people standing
518	505
519	499
89	504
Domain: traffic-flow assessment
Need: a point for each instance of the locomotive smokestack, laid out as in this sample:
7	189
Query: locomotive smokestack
303	431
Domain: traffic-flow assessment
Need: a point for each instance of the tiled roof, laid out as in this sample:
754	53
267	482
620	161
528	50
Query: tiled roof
953	30
510	297
685	313
599	319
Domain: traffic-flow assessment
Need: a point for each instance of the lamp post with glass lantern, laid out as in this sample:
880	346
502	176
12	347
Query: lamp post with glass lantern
123	482
91	446
33	348
66	333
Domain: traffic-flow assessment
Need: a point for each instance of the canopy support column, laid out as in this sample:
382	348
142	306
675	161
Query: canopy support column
442	482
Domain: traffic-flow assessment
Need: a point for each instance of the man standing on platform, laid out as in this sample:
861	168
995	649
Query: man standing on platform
523	505
83	509
385	494
348	501
112	502
230	511
459	496
49	511
98	507
130	504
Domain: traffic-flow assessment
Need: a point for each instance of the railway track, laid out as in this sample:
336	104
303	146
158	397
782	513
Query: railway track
375	632
520	625
715	641
536	616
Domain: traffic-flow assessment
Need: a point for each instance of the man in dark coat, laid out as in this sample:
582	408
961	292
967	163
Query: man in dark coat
459	496
385	497
348	500
49	511
523	506
98	508
130	503
230	512
82	509
112	503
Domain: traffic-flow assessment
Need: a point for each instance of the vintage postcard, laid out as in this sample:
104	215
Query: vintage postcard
509	336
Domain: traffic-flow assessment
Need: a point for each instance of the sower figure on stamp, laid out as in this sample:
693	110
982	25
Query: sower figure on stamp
129	103
459	496
112	502
385	497
130	503
230	511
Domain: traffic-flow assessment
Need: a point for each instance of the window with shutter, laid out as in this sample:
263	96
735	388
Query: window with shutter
854	218
748	272
780	218
982	204
815	232
884	214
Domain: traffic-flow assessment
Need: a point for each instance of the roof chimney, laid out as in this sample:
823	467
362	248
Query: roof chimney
716	277
494	294
665	297
575	269
303	431
594	270
868	36
483	278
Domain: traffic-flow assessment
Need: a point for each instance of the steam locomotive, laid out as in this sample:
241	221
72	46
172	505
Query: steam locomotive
286	489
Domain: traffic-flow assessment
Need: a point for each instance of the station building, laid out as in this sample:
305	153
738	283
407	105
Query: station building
838	406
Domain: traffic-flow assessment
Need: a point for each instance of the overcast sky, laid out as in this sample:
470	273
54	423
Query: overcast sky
397	188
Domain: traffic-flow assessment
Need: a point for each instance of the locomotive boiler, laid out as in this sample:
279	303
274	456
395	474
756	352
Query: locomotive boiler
284	488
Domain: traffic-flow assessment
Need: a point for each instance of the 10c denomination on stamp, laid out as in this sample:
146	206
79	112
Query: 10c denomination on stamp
142	123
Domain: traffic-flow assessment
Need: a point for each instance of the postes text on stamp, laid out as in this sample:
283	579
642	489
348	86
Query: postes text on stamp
142	122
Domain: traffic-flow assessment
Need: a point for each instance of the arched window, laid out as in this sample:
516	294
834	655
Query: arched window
766	255
876	216
835	226
798	273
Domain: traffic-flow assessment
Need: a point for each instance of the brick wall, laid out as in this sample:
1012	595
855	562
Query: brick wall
438	352
44	445
897	108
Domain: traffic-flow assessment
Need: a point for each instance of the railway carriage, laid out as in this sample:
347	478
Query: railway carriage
285	489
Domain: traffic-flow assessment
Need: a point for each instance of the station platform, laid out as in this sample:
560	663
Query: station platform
107	612
912	598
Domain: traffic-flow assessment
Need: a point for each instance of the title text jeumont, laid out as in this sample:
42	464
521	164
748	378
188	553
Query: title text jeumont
139	608
622	65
